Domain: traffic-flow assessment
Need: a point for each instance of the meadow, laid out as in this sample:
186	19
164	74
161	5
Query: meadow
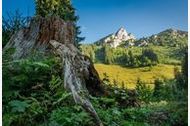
129	76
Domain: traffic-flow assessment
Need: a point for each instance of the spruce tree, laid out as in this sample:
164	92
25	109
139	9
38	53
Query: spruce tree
157	88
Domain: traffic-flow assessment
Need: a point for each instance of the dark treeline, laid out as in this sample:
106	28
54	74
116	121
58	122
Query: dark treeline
146	58
134	56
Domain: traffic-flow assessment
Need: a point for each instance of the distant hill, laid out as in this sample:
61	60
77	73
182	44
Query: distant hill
117	38
169	37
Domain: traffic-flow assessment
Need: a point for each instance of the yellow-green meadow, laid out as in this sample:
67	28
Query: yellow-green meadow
130	75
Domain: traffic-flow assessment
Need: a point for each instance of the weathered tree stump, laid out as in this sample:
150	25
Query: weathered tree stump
55	35
38	35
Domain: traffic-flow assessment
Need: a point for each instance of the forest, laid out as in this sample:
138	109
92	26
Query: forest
38	90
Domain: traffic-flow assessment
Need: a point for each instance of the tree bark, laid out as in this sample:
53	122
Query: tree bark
76	72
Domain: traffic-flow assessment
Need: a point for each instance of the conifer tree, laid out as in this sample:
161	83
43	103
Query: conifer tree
157	88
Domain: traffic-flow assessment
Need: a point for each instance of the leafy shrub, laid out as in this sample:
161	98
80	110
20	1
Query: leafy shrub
18	106
110	117
26	73
70	116
144	92
26	91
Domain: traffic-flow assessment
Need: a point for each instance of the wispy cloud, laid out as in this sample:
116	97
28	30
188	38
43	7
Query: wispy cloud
83	28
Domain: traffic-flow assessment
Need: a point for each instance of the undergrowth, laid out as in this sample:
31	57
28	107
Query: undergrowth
33	95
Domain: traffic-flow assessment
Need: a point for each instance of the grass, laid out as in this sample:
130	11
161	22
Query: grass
130	75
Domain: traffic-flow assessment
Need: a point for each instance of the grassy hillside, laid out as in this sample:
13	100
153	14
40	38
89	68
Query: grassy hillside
130	75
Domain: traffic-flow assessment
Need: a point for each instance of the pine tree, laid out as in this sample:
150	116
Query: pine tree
182	77
108	55
92	56
131	58
157	88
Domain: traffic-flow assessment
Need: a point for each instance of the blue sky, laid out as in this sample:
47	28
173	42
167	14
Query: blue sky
102	17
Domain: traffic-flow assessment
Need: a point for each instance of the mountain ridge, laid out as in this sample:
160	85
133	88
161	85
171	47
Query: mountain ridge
121	37
169	37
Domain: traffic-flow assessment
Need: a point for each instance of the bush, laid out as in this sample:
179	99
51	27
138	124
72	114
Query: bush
158	87
144	92
28	88
70	116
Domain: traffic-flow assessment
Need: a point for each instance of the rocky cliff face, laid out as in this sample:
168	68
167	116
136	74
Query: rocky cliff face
117	38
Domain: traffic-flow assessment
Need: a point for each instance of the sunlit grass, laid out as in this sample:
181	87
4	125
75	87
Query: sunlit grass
130	75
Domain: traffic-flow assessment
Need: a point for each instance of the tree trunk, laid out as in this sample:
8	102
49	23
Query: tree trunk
54	35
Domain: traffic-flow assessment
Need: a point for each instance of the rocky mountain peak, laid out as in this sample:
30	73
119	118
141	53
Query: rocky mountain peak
123	35
117	38
121	31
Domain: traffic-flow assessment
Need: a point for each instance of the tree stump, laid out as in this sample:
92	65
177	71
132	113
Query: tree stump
52	34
